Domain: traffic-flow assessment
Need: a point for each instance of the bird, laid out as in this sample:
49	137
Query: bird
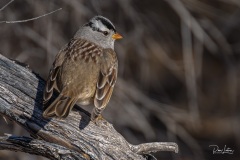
84	71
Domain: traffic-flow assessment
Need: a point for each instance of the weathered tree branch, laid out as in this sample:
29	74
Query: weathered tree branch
75	137
38	147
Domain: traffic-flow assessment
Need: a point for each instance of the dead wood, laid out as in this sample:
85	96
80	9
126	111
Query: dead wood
75	137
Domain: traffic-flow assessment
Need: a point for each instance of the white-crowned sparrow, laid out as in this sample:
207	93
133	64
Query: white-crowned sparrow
84	71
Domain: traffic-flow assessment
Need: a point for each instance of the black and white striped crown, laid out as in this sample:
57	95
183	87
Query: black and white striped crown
100	22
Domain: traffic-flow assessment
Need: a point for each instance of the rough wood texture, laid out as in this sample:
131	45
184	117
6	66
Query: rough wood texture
75	137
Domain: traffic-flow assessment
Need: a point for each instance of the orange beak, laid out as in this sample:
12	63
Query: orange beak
117	36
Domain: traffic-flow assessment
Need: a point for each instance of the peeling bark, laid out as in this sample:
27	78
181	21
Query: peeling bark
75	137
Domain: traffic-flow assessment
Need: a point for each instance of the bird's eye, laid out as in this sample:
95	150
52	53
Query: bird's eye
105	33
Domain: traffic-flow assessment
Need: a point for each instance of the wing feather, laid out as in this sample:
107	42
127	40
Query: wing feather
107	79
54	72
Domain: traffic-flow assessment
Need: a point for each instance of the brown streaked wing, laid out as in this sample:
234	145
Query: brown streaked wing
53	75
107	78
75	48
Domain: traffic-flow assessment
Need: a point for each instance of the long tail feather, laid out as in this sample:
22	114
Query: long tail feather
60	107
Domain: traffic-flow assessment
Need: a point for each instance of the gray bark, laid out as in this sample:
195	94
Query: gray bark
75	137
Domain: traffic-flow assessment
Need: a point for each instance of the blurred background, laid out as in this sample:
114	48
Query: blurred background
179	67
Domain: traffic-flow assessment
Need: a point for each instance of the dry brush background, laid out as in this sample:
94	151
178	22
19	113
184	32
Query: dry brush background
179	67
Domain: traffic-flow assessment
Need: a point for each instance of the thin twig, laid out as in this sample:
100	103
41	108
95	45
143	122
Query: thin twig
31	19
6	5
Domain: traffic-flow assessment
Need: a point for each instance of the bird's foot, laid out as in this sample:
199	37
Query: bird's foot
98	120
